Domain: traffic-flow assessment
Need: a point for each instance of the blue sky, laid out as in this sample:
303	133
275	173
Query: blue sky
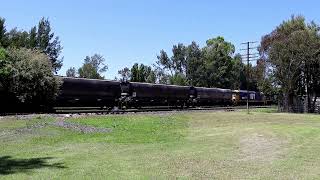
125	32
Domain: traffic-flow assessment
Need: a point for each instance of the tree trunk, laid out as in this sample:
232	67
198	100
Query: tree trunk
286	102
314	103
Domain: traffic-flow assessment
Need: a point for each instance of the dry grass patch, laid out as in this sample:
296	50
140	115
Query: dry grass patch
261	147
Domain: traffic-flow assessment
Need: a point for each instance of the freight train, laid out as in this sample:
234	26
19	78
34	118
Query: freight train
109	94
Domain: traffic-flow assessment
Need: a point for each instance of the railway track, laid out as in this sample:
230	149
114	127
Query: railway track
75	110
96	110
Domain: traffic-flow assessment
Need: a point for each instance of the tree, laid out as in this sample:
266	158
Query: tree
2	53
48	43
218	63
264	78
71	72
142	73
194	65
4	71
28	78
176	66
93	67
164	62
238	74
292	51
212	66
176	63
178	79
161	76
125	74
17	38
179	58
3	35
32	38
39	37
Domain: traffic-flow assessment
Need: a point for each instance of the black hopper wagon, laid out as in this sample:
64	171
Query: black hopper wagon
80	92
212	96
146	94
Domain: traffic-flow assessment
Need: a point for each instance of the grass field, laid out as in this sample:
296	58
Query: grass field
221	145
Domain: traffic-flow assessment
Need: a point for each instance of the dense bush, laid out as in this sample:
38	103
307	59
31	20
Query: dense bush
27	77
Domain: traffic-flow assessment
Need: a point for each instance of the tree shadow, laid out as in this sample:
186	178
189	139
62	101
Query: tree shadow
9	165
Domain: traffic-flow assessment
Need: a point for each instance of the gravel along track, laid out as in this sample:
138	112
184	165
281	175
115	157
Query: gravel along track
66	125
80	127
150	110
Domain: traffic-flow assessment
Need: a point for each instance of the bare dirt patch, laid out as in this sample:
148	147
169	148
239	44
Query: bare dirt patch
260	147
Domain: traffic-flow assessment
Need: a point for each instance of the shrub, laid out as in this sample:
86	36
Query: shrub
29	78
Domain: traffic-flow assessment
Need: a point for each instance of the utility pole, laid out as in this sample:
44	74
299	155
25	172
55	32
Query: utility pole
250	57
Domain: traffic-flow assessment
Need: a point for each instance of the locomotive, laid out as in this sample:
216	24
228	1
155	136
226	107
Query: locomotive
109	94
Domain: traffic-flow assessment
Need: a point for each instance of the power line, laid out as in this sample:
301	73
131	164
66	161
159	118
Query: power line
250	57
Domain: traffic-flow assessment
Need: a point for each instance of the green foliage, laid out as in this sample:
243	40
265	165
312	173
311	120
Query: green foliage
195	65
28	77
4	70
71	72
292	50
47	42
3	33
178	79
219	64
93	67
39	37
176	64
212	66
125	74
18	38
142	73
2	53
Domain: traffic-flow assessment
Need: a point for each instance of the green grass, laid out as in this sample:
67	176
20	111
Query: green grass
222	145
273	109
138	129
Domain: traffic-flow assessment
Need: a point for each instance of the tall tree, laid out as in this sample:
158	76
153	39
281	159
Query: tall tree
48	43
32	38
194	65
93	67
218	62
3	35
165	63
238	74
142	73
176	65
291	49
17	38
4	69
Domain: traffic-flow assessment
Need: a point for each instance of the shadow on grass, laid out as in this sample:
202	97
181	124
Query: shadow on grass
9	165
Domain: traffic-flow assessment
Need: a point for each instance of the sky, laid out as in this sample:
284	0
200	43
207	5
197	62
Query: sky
125	31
